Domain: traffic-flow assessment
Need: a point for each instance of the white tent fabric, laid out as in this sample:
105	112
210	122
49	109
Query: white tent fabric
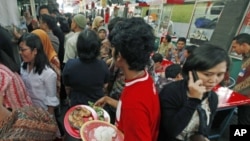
9	13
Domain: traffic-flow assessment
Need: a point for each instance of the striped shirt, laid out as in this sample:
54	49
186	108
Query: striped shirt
13	89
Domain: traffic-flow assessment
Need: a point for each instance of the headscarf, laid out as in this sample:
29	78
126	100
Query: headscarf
47	45
97	20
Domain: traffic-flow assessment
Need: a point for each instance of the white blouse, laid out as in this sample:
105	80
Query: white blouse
41	88
193	124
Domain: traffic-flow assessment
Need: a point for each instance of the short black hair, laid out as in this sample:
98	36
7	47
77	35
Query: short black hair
44	7
134	39
205	57
168	38
190	48
49	20
182	39
173	70
242	38
157	57
88	45
113	22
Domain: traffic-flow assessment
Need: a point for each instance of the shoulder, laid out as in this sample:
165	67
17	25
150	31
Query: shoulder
174	90
71	62
48	71
177	86
102	62
5	71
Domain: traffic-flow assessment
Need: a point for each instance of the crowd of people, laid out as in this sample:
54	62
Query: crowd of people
151	95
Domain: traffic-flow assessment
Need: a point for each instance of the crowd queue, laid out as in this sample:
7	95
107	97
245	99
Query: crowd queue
151	95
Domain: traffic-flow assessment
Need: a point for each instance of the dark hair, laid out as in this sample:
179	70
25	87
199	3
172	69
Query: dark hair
134	39
113	22
157	57
44	7
7	56
205	57
190	48
34	42
55	11
242	38
173	70
64	24
49	20
88	45
168	38
181	39
60	35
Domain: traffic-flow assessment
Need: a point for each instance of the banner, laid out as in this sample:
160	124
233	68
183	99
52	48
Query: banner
175	1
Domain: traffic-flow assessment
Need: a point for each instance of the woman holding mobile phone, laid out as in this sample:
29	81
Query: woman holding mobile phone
188	106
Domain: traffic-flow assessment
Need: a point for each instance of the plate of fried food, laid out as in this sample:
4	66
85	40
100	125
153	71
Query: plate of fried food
76	116
97	130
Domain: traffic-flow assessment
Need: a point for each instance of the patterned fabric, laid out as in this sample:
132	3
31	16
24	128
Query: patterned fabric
243	82
13	89
28	123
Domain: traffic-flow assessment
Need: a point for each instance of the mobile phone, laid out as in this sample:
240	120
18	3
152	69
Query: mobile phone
195	76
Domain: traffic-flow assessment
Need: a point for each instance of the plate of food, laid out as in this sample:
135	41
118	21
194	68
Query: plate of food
97	130
102	114
76	116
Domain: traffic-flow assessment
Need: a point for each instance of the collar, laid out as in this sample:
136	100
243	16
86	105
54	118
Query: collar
136	80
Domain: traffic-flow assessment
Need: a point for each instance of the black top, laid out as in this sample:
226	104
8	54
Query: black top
85	79
177	109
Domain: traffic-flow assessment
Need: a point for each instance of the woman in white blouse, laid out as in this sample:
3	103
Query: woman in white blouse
38	76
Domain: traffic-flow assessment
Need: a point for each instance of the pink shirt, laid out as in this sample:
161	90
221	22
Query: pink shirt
13	89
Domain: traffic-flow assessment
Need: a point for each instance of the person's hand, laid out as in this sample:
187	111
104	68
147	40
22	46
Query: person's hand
16	34
101	102
196	89
3	111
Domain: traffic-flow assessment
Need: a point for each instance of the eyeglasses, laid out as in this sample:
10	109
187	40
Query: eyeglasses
23	49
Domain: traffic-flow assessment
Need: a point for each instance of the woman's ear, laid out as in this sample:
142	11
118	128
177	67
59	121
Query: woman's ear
35	51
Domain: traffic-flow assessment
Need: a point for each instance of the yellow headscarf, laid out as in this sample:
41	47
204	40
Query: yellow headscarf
47	45
96	22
